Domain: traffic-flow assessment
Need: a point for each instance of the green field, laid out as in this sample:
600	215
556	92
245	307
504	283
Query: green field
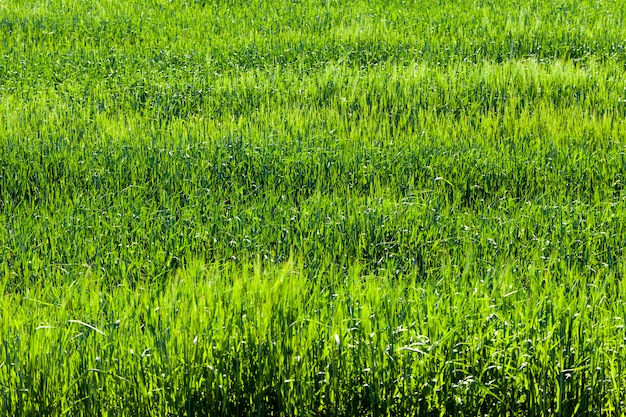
333	208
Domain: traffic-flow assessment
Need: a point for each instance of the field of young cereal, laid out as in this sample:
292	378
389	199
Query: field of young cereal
306	207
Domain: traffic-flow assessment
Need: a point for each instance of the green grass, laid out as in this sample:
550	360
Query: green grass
218	341
312	208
